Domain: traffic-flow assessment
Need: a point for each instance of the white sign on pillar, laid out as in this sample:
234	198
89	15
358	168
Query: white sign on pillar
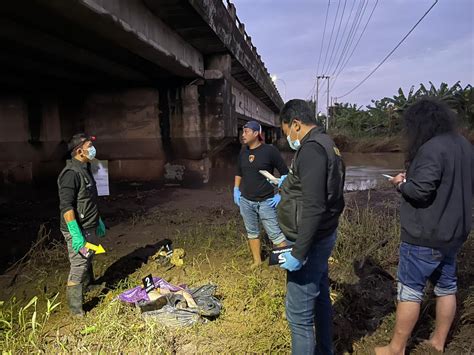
100	170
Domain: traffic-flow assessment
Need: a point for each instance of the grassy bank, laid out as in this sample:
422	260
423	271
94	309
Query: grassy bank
366	143
362	273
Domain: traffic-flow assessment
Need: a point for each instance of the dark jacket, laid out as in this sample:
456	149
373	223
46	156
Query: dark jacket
436	209
312	195
78	191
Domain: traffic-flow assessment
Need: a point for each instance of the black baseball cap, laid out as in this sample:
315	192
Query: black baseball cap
255	126
78	139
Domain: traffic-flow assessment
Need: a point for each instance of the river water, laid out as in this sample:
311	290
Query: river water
363	170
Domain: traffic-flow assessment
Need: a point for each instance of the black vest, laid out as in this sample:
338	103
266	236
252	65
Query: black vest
291	205
85	209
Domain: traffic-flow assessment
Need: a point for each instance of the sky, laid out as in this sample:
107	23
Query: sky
288	35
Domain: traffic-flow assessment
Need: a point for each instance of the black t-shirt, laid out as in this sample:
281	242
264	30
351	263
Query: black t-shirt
254	186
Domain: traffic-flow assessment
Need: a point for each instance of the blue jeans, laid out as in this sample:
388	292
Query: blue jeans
252	212
308	305
419	264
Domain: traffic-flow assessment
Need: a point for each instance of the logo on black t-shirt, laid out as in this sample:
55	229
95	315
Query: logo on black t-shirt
251	158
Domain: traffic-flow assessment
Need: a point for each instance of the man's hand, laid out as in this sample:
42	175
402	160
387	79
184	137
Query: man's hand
100	230
237	195
398	179
275	200
78	240
291	263
282	178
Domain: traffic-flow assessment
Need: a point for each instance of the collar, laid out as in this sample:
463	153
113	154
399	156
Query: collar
79	163
313	130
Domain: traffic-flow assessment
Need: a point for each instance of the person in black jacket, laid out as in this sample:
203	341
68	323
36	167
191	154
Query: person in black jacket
311	202
435	213
79	216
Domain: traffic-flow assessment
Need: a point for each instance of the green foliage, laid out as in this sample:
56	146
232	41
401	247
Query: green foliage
384	117
22	327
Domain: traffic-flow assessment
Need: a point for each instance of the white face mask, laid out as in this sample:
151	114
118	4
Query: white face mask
296	144
91	152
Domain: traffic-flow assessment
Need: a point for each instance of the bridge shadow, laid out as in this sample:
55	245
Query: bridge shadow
362	307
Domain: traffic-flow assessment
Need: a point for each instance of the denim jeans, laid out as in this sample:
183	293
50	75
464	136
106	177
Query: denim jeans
252	212
419	264
308	305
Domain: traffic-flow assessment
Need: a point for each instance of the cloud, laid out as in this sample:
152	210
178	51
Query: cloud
288	36
449	64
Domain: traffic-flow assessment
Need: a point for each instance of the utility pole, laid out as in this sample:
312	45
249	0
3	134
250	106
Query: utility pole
317	96
327	108
314	105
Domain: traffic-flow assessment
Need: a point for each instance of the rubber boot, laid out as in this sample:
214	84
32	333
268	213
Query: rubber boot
75	299
90	282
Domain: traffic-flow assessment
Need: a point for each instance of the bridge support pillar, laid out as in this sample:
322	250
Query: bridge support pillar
202	122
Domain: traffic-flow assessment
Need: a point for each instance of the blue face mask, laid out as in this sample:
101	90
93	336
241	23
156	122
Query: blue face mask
296	144
91	152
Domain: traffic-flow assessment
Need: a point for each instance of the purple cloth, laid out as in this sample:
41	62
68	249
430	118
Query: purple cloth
138	293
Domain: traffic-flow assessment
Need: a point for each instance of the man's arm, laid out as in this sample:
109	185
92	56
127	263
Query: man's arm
239	167
279	163
69	186
237	181
238	175
312	170
425	177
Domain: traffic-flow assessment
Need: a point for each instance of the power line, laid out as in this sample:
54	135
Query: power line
359	21
343	33
346	60
332	32
331	61
391	52
354	27
350	38
324	34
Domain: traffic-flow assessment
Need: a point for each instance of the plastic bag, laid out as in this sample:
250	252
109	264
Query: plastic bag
138	293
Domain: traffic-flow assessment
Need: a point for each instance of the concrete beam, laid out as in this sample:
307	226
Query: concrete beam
129	24
246	105
55	47
222	23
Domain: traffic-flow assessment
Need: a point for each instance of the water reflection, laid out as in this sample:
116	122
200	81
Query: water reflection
363	170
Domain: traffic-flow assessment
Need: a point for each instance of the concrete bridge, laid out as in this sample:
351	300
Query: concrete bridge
155	80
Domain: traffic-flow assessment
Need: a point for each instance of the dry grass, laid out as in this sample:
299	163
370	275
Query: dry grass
367	144
348	142
253	316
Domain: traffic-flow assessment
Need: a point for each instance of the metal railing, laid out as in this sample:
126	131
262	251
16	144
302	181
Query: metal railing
241	26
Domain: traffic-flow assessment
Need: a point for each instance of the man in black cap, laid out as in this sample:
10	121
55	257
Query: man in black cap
253	193
79	217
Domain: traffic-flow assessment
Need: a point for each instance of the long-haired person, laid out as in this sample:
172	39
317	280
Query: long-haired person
435	214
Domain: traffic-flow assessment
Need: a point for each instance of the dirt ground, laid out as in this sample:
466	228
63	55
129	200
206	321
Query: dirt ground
206	224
